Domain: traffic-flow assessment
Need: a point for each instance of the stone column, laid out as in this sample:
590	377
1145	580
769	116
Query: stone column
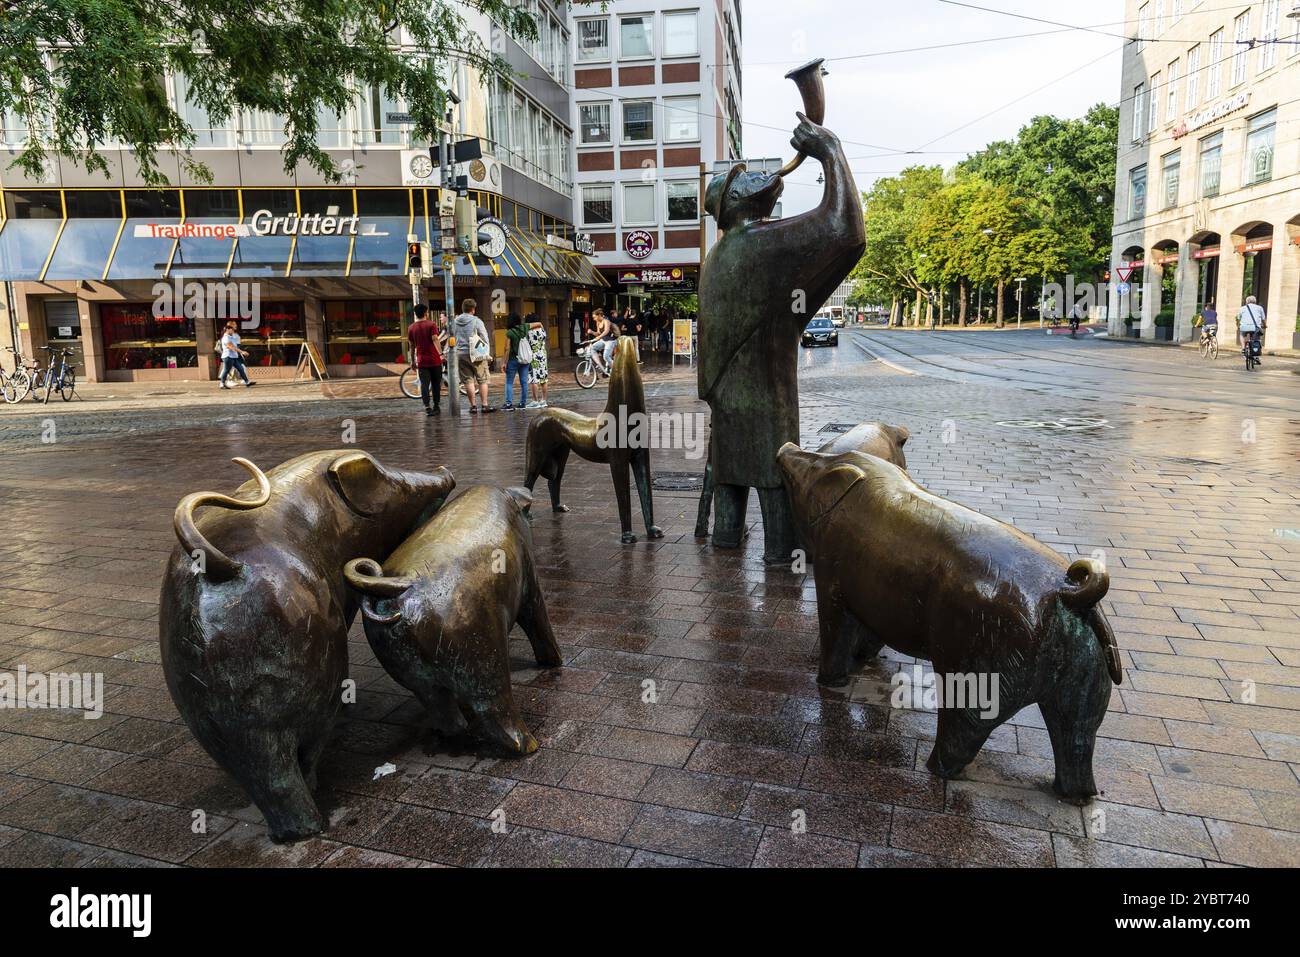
92	339
1283	290
1185	297
1232	269
1152	276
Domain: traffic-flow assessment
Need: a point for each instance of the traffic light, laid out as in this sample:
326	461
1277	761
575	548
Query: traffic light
414	260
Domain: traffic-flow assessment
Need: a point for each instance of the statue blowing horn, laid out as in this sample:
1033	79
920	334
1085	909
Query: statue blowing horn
808	78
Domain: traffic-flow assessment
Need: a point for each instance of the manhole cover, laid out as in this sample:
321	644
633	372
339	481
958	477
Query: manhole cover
837	428
679	481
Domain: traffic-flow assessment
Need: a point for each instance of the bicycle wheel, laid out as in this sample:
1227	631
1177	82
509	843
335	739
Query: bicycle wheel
585	374
68	385
7	389
410	383
1214	348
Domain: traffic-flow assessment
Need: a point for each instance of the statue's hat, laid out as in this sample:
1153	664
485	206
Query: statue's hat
717	191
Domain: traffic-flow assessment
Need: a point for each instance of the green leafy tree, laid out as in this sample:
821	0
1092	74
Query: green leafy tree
79	73
890	261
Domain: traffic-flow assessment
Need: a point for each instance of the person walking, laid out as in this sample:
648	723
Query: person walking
232	357
516	333
540	371
473	355
1251	323
426	356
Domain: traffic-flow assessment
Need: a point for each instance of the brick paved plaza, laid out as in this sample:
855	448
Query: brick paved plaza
1185	480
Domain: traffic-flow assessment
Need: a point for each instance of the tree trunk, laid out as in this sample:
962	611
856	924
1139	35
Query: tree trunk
961	305
893	311
916	308
1001	323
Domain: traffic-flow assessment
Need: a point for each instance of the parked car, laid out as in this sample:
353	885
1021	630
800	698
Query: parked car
820	332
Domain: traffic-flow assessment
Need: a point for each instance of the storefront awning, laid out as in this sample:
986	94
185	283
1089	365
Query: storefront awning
37	249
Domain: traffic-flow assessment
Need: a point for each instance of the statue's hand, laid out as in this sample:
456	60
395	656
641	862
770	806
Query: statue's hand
817	141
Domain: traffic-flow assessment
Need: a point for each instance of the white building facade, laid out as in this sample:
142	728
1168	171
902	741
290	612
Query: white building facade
657	99
1207	208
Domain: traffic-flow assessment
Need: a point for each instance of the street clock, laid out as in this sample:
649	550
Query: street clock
492	237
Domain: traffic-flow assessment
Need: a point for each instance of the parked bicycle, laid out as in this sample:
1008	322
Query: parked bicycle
14	386
591	366
59	376
1210	342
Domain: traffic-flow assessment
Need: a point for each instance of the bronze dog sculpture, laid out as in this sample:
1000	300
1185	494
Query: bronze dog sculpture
933	579
255	613
553	433
438	613
873	438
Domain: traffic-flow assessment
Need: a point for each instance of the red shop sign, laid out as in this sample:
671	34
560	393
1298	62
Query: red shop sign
1255	246
1206	252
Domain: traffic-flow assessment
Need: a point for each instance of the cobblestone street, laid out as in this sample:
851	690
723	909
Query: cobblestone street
1181	474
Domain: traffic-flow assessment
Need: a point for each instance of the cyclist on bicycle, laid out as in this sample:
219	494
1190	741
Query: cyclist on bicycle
1251	324
1209	321
1077	315
602	350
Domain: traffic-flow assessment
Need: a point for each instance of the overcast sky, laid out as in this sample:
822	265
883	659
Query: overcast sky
905	100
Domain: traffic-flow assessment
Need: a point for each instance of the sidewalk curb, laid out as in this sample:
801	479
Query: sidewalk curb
882	360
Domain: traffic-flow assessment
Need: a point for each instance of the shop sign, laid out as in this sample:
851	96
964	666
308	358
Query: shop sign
649	275
1255	246
585	245
1166	260
1207	116
1206	252
639	243
261	223
559	242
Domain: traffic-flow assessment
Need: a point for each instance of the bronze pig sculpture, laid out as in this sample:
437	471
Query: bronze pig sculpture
438	613
553	433
933	579
255	613
873	438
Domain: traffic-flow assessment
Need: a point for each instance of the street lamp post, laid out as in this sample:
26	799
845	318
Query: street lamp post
1020	285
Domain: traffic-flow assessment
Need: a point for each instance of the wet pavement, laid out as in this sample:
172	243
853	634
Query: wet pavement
687	727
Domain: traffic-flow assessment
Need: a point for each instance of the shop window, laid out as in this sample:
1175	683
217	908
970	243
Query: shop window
208	254
135	338
365	330
385	219
277	338
141	254
325	255
25	242
94	219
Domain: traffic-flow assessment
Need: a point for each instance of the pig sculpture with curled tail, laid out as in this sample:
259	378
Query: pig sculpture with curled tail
254	615
439	611
898	566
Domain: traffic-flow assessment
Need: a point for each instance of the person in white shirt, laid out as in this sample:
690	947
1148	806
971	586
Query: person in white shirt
1250	320
232	357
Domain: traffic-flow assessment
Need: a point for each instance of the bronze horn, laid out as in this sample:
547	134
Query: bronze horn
809	80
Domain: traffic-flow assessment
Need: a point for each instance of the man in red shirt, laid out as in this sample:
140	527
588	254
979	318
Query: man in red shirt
427	357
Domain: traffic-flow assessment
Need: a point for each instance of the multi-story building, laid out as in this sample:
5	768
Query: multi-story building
1206	201
656	105
128	275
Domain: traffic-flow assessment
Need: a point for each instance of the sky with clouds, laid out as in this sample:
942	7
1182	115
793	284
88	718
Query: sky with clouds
949	101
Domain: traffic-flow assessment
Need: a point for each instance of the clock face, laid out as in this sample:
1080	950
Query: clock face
421	167
496	243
